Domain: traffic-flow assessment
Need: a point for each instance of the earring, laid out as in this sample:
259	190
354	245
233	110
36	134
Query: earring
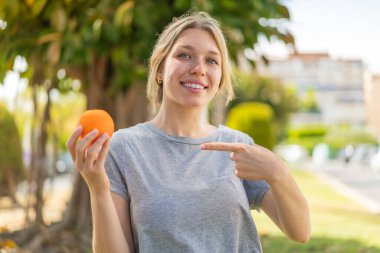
160	82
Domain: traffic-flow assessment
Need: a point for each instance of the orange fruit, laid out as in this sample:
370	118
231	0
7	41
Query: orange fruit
96	119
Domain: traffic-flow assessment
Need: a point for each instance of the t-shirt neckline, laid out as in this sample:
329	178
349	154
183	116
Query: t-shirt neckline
183	139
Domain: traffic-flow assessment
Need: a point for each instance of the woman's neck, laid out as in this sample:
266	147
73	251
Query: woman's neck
187	123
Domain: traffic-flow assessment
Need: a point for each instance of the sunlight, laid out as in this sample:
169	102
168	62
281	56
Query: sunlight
3	24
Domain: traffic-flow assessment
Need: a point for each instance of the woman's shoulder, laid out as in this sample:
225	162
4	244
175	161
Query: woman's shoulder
129	134
132	130
233	135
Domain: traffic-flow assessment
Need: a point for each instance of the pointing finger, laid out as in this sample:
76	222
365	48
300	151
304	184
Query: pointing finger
221	146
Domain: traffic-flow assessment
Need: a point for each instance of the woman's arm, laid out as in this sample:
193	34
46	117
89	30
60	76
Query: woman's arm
284	203
108	234
122	208
89	159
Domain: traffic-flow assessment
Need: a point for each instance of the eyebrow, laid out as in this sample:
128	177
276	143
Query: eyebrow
192	48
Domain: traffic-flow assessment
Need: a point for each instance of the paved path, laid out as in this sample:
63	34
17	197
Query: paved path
354	181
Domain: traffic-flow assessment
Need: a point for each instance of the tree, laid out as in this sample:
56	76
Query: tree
11	166
105	44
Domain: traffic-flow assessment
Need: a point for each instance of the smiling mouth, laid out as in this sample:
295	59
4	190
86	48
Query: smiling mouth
193	86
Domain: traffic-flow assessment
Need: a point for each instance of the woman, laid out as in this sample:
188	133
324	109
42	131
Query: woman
177	183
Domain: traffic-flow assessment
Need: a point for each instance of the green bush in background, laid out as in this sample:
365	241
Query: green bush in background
307	136
306	131
339	137
254	119
11	163
336	137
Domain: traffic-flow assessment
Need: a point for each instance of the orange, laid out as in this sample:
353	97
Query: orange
96	119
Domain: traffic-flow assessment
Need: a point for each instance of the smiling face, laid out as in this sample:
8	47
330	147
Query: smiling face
192	71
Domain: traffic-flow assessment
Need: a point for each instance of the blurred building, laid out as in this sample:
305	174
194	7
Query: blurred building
336	83
372	103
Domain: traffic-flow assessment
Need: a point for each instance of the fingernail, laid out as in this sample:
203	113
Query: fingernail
202	146
95	131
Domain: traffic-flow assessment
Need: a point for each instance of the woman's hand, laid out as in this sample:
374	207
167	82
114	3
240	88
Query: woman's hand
284	202
252	162
89	158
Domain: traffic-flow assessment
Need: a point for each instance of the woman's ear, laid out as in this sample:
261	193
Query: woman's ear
160	71
159	76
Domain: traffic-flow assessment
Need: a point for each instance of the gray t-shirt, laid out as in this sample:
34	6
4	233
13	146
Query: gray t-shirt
183	199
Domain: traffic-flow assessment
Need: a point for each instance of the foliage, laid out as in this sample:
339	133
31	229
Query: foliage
336	221
70	33
308	135
340	136
304	131
11	155
309	102
268	90
7	244
336	137
254	119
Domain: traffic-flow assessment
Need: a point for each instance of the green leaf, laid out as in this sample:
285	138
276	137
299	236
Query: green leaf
37	6
124	14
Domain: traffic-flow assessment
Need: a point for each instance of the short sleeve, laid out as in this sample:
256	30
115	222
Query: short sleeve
256	189
113	167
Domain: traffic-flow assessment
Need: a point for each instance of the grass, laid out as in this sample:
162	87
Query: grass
339	224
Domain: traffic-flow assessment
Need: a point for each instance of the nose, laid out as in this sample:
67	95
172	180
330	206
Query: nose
198	67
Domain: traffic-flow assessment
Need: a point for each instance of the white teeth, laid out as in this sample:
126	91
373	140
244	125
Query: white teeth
194	86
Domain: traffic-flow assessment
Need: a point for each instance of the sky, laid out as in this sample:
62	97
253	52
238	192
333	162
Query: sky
346	29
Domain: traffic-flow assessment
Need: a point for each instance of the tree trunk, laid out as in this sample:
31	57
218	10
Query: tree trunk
11	185
41	159
32	168
131	107
96	82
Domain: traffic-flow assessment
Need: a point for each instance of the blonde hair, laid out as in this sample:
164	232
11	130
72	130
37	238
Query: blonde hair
165	42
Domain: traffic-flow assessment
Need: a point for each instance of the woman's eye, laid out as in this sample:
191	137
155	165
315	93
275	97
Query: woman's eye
184	56
212	61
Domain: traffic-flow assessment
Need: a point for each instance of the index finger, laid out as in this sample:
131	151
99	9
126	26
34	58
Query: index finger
70	144
221	146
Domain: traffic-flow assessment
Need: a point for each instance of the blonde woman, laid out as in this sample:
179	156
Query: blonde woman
178	183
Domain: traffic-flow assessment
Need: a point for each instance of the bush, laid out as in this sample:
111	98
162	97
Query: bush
306	131
11	163
336	137
307	136
254	119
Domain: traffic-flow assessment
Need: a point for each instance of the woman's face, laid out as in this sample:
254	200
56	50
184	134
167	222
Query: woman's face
192	70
